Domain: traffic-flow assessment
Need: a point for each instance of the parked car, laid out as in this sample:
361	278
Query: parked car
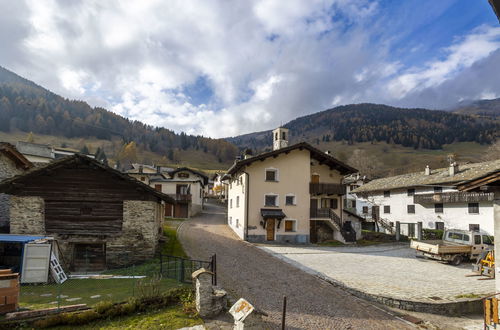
455	246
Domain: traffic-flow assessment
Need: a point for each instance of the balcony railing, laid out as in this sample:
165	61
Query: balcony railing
327	189
453	197
181	197
321	213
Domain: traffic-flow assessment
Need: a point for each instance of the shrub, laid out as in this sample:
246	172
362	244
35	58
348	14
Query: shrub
432	234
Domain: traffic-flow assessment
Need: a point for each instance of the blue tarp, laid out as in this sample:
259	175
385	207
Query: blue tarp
18	238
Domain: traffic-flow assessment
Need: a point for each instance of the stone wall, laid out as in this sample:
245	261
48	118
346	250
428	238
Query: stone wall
8	169
27	215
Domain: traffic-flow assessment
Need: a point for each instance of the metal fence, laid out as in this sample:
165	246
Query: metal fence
181	268
116	285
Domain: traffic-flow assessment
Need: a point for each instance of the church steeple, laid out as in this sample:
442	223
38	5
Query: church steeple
280	138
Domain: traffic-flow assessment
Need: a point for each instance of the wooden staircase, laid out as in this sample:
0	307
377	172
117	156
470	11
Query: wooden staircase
334	222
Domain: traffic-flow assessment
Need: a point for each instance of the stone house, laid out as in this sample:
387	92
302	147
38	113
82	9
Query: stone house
100	217
291	194
433	198
12	163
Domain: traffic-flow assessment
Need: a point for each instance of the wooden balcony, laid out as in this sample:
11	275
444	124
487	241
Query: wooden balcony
181	197
327	189
453	197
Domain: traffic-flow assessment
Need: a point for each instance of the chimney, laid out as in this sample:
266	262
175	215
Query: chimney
453	169
427	170
141	169
280	138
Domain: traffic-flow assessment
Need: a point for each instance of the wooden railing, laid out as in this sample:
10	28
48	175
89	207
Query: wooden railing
327	189
453	197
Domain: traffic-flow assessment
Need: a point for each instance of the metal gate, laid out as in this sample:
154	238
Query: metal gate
181	268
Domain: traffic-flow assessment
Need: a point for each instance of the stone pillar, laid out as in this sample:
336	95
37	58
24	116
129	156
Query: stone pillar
27	215
209	301
398	230
419	230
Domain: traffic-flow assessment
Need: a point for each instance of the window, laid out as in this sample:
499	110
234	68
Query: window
183	175
290	225
230	220
487	240
411	192
158	187
438	208
271	175
365	209
353	204
410	208
473	208
387	209
290	200
283	136
143	178
466	238
237	223
276	136
439	225
271	200
474	227
237	201
387	193
329	203
231	203
438	190
477	239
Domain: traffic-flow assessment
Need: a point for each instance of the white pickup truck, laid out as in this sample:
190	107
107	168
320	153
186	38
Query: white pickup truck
455	246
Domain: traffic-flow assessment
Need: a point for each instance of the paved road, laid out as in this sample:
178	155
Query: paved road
246	271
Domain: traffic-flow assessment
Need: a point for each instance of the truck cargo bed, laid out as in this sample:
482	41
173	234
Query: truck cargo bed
440	247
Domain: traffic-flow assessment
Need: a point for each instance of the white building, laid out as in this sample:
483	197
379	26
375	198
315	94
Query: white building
353	203
432	197
292	194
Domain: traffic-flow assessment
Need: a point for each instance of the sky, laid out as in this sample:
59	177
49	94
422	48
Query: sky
224	68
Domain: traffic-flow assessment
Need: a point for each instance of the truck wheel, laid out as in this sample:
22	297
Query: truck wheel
456	260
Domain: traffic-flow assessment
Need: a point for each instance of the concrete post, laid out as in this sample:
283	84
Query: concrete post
398	230
419	230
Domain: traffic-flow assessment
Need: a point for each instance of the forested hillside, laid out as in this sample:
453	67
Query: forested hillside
27	107
488	108
358	123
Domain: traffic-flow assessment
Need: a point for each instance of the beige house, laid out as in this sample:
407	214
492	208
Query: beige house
291	194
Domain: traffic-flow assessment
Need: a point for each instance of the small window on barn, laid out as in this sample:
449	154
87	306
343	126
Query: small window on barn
86	210
410	208
183	175
387	193
387	209
438	208
473	208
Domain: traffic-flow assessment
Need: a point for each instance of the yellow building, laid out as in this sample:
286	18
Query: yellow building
293	194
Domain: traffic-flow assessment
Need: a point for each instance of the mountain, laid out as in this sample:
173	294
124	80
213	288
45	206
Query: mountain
357	123
487	108
28	107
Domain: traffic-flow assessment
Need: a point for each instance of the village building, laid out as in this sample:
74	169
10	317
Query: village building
145	173
433	198
219	188
44	153
292	194
187	187
359	206
12	163
100	217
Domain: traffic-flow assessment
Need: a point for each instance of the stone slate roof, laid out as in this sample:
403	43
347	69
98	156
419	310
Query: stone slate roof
11	152
317	154
440	176
35	149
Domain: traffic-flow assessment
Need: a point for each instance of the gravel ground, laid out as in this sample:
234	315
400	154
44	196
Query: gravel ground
246	271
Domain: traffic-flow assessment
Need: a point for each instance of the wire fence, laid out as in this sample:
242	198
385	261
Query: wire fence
158	275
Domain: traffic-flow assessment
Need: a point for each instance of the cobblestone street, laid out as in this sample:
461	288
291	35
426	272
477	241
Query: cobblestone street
389	270
246	271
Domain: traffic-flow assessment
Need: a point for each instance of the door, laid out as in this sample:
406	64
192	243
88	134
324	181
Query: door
375	212
314	208
35	267
315	178
270	229
89	257
181	210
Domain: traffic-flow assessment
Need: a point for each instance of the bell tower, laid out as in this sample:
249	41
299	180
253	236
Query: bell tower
280	138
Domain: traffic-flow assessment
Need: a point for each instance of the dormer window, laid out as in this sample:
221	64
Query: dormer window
271	174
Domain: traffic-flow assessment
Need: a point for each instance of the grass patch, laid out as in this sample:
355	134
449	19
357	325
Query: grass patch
115	290
469	296
169	318
173	246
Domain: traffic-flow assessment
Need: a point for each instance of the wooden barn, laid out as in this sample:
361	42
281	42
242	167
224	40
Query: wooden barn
100	217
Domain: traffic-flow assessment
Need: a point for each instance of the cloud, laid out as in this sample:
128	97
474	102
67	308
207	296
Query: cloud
261	62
